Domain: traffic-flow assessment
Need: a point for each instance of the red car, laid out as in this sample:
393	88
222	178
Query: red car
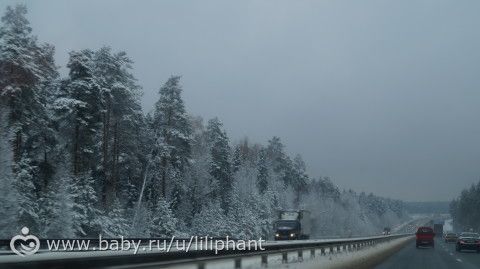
470	241
425	237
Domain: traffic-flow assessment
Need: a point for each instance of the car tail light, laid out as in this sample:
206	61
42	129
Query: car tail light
462	242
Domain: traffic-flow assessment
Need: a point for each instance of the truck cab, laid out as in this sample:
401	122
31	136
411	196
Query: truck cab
292	225
287	229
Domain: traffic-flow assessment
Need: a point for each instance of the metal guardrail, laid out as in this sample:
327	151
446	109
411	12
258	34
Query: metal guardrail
199	258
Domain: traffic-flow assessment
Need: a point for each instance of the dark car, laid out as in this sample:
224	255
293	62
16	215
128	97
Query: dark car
451	238
468	241
424	236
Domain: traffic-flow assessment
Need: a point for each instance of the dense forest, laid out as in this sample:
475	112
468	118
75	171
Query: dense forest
79	157
465	209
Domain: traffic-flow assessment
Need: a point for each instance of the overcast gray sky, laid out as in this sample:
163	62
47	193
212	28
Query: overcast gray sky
382	96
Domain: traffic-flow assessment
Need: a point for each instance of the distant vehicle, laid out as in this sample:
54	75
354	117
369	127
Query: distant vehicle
469	241
293	225
451	238
424	237
438	227
386	231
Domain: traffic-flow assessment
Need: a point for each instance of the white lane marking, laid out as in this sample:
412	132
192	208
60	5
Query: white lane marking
451	254
458	260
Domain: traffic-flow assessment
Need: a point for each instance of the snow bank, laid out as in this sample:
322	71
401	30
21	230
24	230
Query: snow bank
366	258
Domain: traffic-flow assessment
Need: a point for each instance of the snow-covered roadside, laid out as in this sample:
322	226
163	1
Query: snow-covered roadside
365	258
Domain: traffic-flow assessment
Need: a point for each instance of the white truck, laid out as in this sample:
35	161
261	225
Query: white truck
293	225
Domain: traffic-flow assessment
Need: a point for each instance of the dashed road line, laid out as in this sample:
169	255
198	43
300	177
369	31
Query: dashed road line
458	260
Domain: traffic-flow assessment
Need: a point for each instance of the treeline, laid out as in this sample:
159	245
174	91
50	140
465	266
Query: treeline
80	158
465	209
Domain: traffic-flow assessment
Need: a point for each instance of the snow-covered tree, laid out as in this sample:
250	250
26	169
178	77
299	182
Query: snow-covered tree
163	221
83	92
211	221
57	211
173	138
262	176
8	207
464	209
114	222
26	69
27	199
121	120
276	155
299	178
197	176
87	215
241	214
220	166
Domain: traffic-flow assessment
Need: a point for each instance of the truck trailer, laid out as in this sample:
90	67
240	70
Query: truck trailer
438	227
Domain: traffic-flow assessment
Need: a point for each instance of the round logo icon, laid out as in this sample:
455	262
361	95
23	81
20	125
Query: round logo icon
24	244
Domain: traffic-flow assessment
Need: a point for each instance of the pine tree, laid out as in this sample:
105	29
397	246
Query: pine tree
211	221
26	70
8	207
237	159
276	155
163	222
300	178
220	166
27	198
121	120
77	107
241	215
57	209
197	176
85	123
262	175
173	136
114	223
8	192
266	210
87	215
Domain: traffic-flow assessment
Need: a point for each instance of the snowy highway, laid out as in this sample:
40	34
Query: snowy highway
443	256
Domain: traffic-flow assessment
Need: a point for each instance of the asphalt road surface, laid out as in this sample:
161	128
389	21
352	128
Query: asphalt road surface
443	256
